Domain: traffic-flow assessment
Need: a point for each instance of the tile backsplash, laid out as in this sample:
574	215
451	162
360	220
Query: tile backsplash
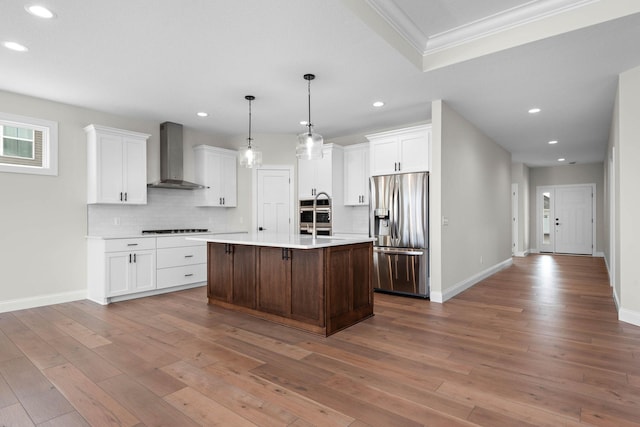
165	209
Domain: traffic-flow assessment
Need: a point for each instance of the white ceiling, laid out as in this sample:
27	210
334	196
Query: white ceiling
165	60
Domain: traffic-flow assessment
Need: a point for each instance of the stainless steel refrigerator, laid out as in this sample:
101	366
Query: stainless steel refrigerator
399	221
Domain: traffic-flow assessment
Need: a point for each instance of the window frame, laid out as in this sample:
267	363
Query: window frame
49	131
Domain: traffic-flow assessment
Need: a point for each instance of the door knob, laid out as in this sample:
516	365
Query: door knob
261	229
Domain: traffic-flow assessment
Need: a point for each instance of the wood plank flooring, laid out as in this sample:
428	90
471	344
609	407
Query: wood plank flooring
537	344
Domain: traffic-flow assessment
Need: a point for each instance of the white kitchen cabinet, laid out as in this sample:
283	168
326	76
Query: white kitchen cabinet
316	175
180	262
130	272
116	166
120	267
400	151
216	169
356	175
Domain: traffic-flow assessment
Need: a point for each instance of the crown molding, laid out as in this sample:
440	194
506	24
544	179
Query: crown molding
510	18
502	21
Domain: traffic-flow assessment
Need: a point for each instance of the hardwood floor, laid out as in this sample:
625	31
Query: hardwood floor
536	344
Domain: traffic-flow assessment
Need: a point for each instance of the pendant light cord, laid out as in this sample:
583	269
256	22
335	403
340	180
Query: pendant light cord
309	93
249	123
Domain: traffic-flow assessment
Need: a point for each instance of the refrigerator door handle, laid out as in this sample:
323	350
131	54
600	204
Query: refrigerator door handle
393	251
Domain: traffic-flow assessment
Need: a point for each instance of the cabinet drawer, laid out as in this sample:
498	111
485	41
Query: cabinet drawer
184	275
138	244
177	242
174	257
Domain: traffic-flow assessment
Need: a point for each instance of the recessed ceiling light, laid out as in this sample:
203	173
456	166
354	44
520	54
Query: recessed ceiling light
202	114
378	104
15	46
39	11
553	142
534	111
561	159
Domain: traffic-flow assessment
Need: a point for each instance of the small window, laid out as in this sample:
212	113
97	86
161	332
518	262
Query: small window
28	145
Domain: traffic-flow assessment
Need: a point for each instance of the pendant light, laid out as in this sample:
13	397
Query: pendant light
309	143
249	156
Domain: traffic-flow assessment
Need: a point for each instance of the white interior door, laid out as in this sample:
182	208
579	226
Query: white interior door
566	219
274	201
574	220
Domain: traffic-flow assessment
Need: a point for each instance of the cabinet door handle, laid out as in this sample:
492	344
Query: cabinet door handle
129	258
121	199
188	275
399	168
125	196
285	254
132	244
188	256
134	257
224	202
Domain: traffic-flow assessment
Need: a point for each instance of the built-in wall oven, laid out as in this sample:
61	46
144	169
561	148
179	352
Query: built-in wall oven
323	217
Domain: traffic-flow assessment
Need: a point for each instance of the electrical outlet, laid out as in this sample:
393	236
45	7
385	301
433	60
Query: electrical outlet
116	220
481	260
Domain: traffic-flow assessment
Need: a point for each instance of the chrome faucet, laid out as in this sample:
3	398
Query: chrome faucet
315	203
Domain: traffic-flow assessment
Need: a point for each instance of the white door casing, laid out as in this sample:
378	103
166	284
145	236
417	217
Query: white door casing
514	219
566	219
273	199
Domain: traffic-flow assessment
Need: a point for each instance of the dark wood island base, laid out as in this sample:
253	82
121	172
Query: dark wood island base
320	290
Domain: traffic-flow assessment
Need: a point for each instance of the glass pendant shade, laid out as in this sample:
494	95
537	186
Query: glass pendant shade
249	156
309	143
309	146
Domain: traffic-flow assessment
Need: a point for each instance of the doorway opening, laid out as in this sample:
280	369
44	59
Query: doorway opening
566	219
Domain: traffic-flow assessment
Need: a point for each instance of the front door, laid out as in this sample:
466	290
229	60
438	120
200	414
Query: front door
565	219
274	200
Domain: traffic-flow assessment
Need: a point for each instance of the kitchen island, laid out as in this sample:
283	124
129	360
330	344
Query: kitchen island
321	285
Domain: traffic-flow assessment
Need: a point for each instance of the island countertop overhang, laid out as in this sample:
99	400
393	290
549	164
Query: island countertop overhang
281	240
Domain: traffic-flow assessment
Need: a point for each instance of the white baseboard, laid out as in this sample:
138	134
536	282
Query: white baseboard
469	282
521	254
147	293
628	316
598	254
39	301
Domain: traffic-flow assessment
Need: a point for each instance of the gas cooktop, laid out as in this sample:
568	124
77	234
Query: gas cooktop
176	231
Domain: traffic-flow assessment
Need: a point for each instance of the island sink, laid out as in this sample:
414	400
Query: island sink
319	285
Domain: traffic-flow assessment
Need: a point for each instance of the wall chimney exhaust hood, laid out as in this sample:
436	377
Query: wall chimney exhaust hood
171	163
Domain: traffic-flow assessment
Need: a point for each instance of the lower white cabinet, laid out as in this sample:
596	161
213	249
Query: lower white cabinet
130	272
180	262
124	268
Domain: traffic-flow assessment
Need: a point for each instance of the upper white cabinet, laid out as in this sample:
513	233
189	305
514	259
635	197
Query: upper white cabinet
400	151
216	168
356	175
315	176
116	166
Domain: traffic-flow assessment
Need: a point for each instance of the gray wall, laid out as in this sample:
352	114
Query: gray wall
520	176
43	219
624	139
471	188
592	173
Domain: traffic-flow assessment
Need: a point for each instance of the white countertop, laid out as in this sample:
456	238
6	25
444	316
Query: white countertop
293	241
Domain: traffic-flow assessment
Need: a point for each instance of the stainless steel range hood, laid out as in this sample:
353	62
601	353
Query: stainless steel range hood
171	162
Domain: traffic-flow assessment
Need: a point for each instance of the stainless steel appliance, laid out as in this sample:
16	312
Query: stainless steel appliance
399	221
171	166
323	216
